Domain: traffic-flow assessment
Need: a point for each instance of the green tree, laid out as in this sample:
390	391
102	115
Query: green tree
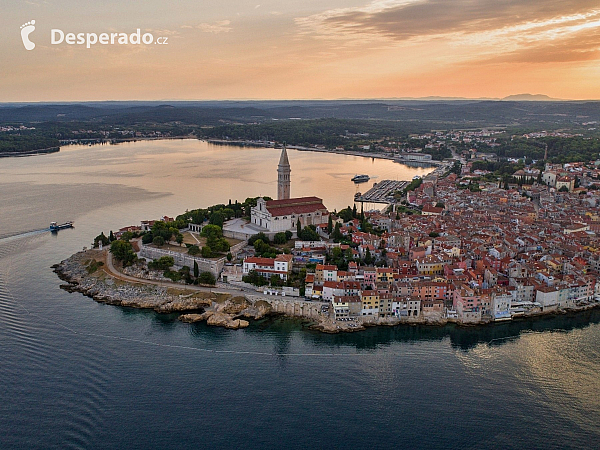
162	263
111	236
207	252
217	218
298	228
162	229
276	281
279	238
179	239
228	213
159	241
229	256
309	234
127	236
212	231
207	278
194	250
196	269
368	257
260	236
288	235
348	254
101	238
255	278
123	251
337	235
347	214
329	225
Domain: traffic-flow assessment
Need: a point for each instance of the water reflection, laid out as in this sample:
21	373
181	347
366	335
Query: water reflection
463	338
280	331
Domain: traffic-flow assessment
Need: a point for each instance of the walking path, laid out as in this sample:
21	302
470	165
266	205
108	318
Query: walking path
121	276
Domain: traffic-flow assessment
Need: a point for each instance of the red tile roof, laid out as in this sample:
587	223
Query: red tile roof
302	205
260	261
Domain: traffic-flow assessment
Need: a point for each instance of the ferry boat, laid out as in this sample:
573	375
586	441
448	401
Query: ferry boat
55	227
360	178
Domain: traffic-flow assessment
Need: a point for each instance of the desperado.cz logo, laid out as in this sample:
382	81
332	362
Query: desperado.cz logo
26	29
88	39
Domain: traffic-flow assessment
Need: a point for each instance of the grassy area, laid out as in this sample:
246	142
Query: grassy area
232	241
173	248
188	238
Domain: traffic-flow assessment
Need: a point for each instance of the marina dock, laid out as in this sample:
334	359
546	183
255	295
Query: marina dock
382	192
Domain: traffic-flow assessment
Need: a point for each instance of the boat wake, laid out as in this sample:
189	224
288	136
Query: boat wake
8	237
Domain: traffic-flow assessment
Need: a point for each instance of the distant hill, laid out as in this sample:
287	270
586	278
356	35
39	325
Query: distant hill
436	113
531	98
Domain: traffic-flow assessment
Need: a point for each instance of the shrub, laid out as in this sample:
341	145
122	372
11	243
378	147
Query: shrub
207	278
162	263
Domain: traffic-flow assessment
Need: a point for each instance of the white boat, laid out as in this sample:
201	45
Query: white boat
360	178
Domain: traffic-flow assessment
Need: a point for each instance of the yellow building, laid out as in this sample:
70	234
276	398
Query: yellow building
370	303
430	265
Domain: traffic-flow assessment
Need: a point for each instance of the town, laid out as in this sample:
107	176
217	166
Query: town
449	247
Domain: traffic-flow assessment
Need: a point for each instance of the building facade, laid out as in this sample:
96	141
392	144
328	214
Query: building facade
282	215
283	176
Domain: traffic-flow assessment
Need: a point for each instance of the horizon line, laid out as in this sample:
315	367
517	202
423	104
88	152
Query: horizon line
342	99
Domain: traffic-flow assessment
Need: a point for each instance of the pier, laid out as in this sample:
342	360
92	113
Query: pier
382	192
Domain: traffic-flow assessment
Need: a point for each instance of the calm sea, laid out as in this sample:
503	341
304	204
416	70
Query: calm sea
78	374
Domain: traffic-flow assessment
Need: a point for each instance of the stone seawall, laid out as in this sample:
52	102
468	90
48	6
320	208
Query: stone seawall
214	266
85	273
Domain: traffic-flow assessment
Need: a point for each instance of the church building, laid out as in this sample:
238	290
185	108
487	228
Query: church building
283	214
283	176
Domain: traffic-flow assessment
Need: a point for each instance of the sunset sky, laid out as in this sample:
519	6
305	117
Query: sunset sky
304	49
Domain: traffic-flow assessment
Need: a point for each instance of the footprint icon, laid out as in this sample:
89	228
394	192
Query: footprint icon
26	30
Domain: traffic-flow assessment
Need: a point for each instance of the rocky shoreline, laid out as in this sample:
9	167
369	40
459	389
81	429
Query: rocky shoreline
85	272
215	308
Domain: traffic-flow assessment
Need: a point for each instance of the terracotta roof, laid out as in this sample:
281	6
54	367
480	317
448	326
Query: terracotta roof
260	261
302	205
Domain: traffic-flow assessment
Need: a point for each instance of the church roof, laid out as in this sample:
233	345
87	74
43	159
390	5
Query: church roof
302	205
283	160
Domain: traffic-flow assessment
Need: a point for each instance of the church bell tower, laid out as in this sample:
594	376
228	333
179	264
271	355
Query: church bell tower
283	176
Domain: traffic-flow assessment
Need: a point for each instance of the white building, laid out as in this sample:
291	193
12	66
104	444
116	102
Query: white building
281	215
501	305
267	267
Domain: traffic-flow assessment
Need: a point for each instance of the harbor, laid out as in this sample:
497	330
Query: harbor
381	192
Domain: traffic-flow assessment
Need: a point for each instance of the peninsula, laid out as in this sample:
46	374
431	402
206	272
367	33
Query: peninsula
463	245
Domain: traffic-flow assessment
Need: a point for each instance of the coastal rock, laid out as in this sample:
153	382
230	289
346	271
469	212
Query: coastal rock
333	327
258	311
187	304
193	318
224	320
233	306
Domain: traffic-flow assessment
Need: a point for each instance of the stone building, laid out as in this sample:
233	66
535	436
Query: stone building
283	176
